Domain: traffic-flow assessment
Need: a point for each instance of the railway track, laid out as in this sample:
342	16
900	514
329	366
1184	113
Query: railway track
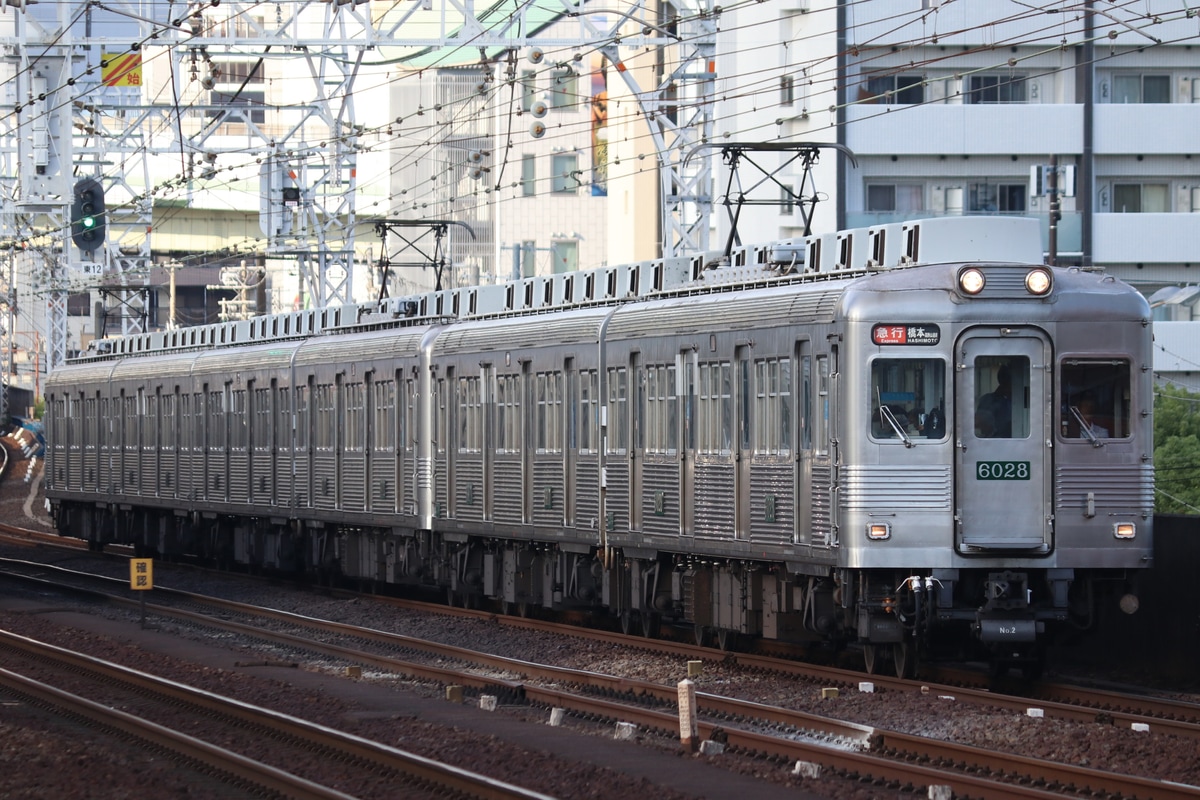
238	725
862	752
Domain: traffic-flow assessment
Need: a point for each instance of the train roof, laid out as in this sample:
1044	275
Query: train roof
819	258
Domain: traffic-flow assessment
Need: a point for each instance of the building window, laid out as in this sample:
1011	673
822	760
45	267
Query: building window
565	253
528	89
787	200
251	102
238	72
787	90
564	92
1141	88
895	197
996	89
987	198
1141	198
528	175
894	90
566	173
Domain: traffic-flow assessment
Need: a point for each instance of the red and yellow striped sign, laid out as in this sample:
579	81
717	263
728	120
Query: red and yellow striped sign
121	69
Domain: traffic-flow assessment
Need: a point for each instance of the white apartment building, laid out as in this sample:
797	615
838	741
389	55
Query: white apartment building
951	107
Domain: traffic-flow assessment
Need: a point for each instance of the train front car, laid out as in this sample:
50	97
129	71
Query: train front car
997	444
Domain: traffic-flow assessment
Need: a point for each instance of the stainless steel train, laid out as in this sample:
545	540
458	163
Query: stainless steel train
899	437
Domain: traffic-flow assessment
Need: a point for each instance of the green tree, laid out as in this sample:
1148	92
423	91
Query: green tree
1176	450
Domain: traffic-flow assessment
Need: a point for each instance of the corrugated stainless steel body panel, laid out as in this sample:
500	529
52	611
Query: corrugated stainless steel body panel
757	308
660	497
352	474
548	491
508	490
382	482
772	503
1109	490
587	497
469	491
324	480
616	500
896	488
714	500
566	329
819	527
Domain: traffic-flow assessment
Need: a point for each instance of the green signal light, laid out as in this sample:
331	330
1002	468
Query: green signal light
88	222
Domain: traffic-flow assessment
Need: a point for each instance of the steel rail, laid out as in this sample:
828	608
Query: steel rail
1034	772
355	747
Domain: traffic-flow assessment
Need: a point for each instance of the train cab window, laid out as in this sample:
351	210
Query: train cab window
1001	397
1094	400
908	398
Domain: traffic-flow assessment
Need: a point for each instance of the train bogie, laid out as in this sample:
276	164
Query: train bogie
876	454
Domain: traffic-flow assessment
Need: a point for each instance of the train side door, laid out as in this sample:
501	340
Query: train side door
1003	427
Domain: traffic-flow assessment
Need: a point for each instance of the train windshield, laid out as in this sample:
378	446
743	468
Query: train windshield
908	397
1095	400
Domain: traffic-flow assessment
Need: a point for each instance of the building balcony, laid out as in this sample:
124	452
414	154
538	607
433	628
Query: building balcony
1146	128
962	130
1069	237
1116	238
1146	238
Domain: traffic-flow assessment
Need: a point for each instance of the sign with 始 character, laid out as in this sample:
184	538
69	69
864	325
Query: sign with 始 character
141	573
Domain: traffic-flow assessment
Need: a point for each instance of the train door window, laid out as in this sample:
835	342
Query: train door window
548	391
216	419
618	409
773	406
823	405
471	415
508	413
383	435
237	420
261	432
714	420
169	435
303	413
283	415
908	397
662	410
589	411
324	408
354	428
1095	400
805	396
1001	397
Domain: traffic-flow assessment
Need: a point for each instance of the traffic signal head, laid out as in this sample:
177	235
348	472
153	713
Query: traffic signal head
87	215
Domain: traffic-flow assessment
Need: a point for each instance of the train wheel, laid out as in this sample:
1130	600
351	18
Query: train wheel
627	622
872	658
651	624
726	639
700	632
904	657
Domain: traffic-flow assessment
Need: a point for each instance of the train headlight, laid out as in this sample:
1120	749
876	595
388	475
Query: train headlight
1038	281
971	281
1124	530
878	531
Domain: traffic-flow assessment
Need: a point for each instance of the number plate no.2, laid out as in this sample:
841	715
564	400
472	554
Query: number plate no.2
1002	470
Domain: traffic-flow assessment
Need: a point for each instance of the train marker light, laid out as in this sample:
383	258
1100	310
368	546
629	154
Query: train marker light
1124	530
972	281
1038	282
879	531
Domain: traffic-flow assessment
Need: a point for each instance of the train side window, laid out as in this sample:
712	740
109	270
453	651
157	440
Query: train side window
908	395
1094	399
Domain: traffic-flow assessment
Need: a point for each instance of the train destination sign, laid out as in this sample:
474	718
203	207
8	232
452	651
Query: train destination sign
906	333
